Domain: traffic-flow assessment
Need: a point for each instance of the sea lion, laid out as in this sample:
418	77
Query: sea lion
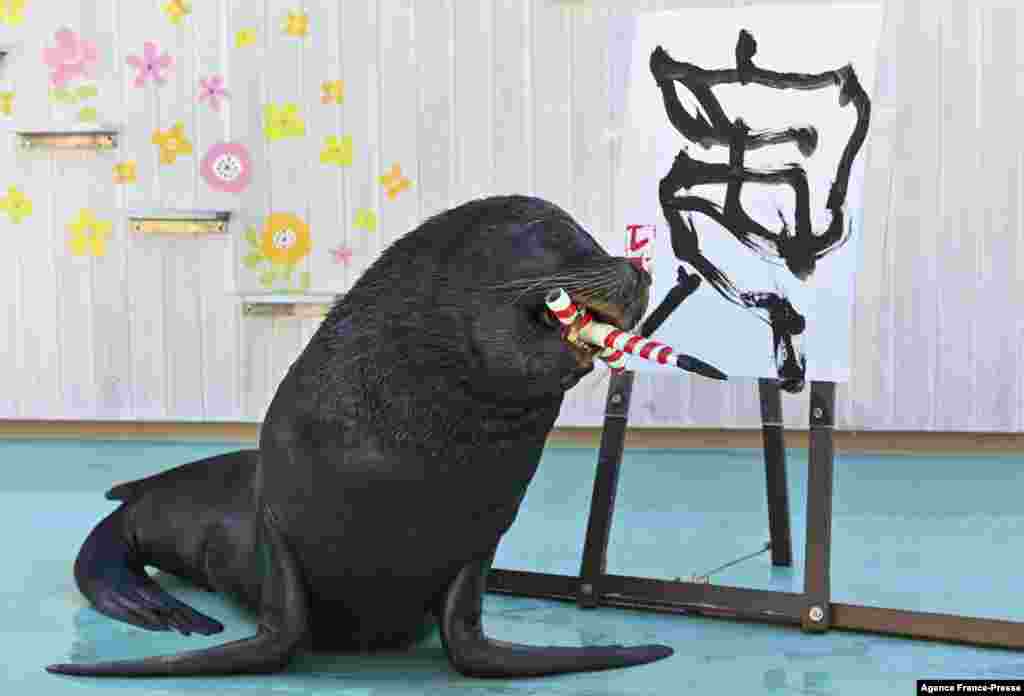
392	459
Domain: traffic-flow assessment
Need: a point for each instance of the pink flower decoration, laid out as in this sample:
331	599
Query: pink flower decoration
150	65
71	58
212	88
341	254
227	167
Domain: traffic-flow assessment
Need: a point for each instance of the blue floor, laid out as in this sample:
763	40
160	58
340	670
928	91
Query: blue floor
927	533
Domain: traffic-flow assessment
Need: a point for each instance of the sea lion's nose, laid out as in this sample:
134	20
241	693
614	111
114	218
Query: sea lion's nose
642	276
645	277
636	293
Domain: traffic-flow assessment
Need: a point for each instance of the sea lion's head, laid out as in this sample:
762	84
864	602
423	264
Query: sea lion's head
462	298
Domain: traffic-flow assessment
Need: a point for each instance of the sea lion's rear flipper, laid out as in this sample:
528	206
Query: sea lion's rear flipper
284	623
475	655
220	468
111	574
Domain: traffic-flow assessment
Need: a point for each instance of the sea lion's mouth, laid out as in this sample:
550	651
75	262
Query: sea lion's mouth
600	311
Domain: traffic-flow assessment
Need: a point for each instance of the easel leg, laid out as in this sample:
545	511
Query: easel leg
609	458
817	616
606	483
775	472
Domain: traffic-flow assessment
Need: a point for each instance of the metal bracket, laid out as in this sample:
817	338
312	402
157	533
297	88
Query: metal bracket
95	140
286	310
194	222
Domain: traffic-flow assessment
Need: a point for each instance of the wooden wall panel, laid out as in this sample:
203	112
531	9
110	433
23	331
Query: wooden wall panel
955	293
69	191
436	127
323	184
246	80
145	256
10	265
471	99
217	303
399	116
998	222
551	82
111	320
511	27
474	100
360	69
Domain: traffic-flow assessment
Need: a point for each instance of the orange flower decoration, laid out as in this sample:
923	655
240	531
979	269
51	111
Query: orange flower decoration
332	92
297	23
124	172
285	239
393	182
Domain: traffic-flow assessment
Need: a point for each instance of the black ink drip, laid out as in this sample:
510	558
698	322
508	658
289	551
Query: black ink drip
786	322
799	248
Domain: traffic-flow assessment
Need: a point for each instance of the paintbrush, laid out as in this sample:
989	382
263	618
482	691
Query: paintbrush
615	342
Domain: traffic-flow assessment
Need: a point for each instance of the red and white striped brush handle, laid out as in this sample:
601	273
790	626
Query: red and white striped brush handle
615	341
567	312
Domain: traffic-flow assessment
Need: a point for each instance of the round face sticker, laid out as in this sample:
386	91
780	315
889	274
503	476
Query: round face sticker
227	167
284	239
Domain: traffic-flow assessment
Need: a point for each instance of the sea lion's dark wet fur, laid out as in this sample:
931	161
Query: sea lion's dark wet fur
393	457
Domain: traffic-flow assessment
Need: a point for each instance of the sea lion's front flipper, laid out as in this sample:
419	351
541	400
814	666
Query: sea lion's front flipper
475	655
284	622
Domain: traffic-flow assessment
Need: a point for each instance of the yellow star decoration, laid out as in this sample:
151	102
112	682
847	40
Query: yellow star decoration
88	235
172	143
177	10
16	204
7	103
332	92
366	219
245	37
124	172
297	23
337	151
393	181
282	121
12	12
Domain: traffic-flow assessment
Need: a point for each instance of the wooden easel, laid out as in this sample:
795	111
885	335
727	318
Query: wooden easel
595	587
811	609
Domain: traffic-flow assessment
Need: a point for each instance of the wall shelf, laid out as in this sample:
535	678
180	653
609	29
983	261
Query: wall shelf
281	310
195	222
78	140
287	306
8	51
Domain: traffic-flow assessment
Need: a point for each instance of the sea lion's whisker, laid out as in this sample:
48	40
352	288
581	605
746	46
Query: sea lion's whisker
582	287
574	279
597	280
592	269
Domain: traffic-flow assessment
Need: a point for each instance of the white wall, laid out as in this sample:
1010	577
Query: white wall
477	97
